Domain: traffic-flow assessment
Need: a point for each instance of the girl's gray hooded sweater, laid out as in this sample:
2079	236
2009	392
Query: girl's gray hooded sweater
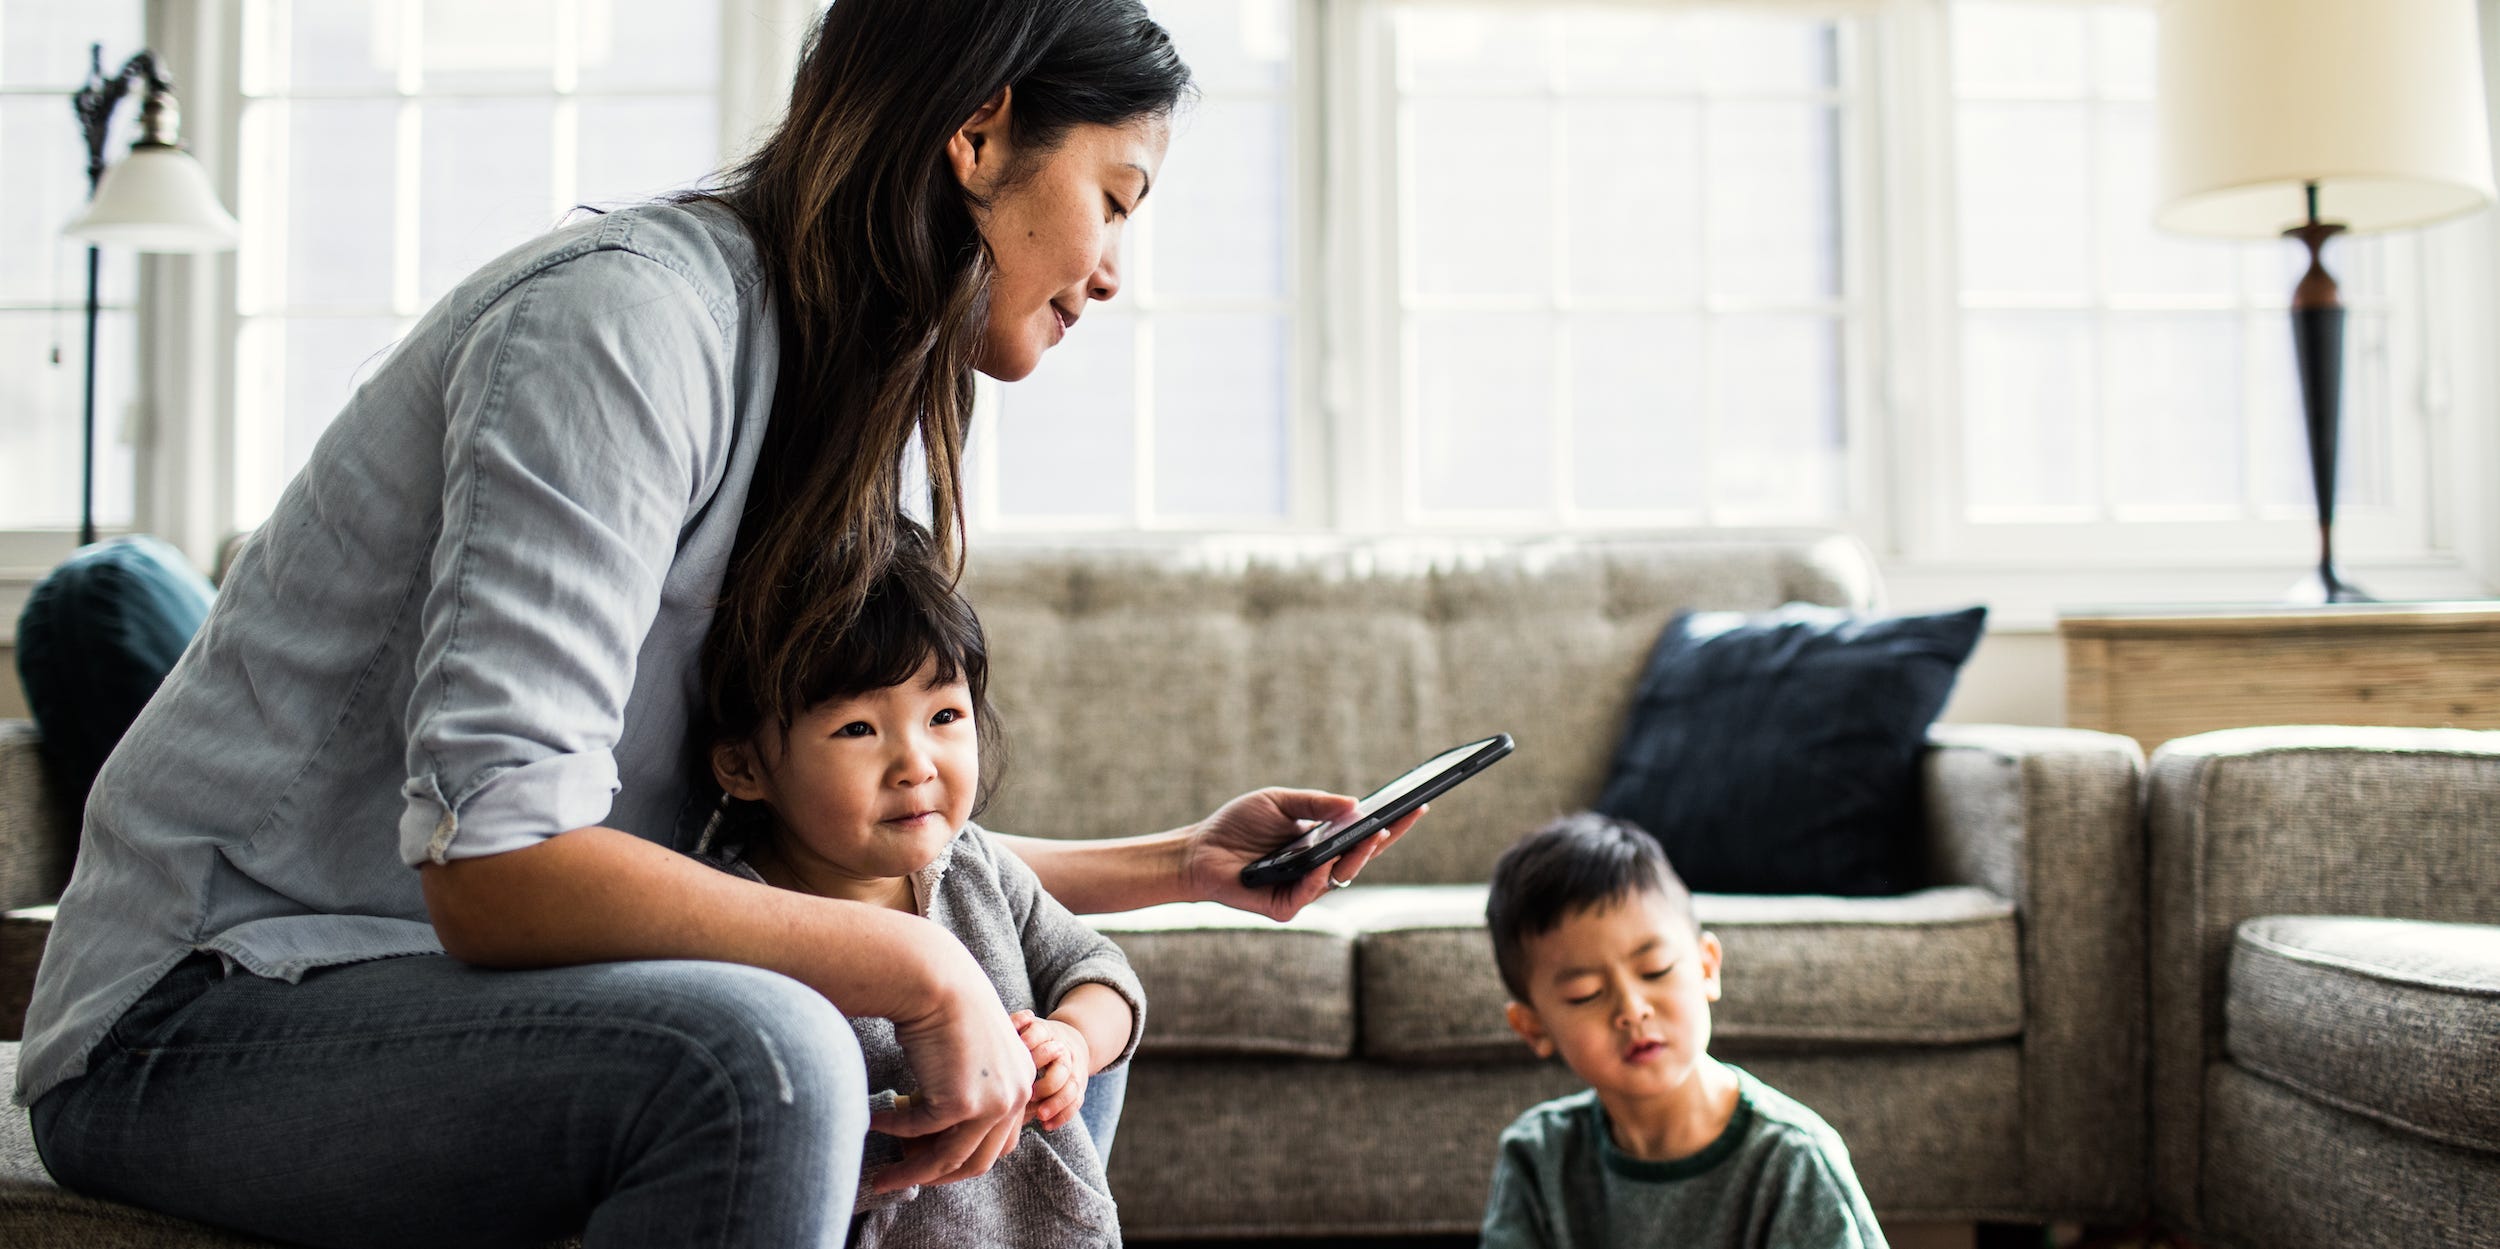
1051	1192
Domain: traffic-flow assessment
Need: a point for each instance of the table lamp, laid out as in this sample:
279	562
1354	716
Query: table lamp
157	200
2311	118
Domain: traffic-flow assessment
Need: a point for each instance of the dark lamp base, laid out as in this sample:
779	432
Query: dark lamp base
2323	586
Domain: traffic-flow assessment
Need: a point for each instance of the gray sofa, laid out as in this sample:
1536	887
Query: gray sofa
2326	987
1980	1043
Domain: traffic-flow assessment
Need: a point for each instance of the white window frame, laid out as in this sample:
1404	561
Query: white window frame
1904	489
2027	572
1302	304
265	306
181	462
1851	307
1366	227
1903	368
1925	187
185	427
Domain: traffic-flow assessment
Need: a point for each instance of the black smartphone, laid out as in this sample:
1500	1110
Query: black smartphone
1379	809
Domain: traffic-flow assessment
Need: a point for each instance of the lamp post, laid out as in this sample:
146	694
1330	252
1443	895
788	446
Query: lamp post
157	199
2306	119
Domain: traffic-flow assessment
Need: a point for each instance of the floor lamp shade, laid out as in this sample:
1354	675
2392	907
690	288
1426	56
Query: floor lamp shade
2377	102
156	200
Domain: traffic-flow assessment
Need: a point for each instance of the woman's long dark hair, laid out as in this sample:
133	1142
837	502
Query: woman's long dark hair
880	287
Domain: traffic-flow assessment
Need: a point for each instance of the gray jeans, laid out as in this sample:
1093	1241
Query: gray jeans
418	1101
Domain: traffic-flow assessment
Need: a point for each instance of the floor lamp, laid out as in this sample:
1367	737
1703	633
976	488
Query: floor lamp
2306	119
157	199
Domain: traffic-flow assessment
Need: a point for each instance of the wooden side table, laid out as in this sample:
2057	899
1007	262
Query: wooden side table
2156	674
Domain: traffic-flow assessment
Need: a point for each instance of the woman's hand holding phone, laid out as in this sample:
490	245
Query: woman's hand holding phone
1252	826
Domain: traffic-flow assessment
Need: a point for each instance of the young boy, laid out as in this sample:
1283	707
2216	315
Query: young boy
1606	966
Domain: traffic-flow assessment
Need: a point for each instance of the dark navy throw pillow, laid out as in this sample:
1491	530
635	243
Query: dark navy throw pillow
1779	752
97	637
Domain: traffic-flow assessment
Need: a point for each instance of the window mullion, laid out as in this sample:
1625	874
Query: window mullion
1368	391
1865	414
2097	272
1705	280
1559	389
1319	320
1142	467
408	180
184	466
1931	462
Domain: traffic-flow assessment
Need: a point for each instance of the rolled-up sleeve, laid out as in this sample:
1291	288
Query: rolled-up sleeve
585	407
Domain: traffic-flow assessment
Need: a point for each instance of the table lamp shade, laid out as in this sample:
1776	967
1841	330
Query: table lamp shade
2378	102
156	199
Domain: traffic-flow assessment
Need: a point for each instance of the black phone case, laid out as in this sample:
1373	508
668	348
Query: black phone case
1283	869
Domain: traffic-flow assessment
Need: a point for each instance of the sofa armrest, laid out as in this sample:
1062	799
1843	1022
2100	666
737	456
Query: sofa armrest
2052	819
38	834
2400	823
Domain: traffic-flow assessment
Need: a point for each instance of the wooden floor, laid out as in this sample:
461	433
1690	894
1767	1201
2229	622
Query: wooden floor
1899	1235
1906	1236
1392	1242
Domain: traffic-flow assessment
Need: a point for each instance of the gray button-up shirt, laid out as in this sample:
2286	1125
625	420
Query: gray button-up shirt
472	623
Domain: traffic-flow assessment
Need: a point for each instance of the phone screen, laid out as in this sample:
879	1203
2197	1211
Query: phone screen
1383	796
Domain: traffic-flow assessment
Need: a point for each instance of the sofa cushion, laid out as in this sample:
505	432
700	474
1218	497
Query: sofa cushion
1330	1155
2284	1171
38	829
1224	982
2395	1019
1779	753
36	1213
1937	967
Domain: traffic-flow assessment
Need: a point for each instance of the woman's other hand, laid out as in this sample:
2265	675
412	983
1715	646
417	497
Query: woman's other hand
976	1079
1252	826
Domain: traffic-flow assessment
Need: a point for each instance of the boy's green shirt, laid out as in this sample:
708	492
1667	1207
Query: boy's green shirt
1777	1178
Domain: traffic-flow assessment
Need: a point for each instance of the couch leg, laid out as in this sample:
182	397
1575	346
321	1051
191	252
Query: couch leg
2153	1235
2009	1236
2146	1234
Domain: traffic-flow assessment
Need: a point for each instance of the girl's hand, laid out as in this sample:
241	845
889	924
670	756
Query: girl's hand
1061	1059
975	1080
1250	827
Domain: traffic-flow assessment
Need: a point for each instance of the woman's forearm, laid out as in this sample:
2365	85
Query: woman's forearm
597	895
1115	874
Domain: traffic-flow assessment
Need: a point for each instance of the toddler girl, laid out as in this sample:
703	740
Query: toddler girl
868	796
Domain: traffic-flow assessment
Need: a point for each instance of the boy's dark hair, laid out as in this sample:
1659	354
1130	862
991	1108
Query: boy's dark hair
1578	862
913	614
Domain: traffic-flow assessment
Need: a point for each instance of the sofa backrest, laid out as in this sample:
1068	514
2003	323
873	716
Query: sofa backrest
1139	688
38	830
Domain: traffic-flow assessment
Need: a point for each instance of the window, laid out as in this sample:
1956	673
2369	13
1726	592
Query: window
390	148
2110	372
1565	341
1624	292
43	276
1425	264
1173	405
1634	263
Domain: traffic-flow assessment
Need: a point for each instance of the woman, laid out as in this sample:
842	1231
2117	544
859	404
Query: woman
467	643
